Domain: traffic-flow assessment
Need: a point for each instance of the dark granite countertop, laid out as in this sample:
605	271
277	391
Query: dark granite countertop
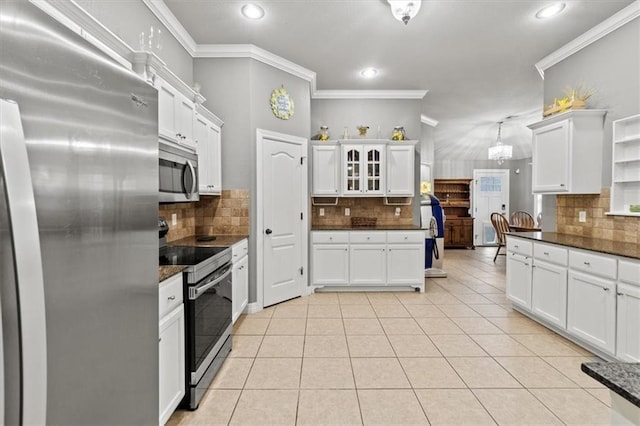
621	377
219	241
169	271
586	243
366	228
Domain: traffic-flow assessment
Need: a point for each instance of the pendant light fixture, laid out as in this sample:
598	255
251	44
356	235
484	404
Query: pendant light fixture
500	151
403	10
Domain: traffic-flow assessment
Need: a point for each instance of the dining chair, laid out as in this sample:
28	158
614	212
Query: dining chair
523	219
501	225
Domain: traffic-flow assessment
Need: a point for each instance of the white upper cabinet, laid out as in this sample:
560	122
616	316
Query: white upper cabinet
625	188
567	153
326	170
176	115
400	170
208	146
363	169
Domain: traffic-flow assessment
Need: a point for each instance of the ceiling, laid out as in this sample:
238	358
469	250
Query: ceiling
475	57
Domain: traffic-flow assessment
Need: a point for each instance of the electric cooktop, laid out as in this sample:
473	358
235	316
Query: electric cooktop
186	255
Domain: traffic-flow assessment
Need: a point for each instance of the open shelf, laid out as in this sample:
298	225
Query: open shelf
625	187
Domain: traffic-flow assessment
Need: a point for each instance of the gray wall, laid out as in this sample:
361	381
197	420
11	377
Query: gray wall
610	66
520	195
350	113
127	19
239	91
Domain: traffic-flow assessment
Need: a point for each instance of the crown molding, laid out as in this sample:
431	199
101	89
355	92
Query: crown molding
369	94
169	20
257	53
428	121
604	28
78	20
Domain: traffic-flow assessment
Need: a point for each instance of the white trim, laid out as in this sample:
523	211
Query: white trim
169	20
252	308
369	94
428	121
73	16
261	135
257	53
604	28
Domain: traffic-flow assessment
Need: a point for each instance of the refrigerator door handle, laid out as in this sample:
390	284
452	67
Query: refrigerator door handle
23	222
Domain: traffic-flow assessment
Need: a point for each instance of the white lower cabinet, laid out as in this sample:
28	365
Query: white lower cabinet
549	292
519	279
591	310
367	258
330	264
628	318
240	278
171	349
367	264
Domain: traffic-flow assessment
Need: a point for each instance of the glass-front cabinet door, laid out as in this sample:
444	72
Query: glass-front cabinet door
363	169
352	176
374	159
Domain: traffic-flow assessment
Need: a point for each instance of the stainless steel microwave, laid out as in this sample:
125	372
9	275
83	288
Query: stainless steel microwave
178	174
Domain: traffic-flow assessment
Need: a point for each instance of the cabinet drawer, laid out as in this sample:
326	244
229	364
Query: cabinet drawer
170	294
330	237
405	237
519	245
367	237
550	253
629	272
240	250
593	263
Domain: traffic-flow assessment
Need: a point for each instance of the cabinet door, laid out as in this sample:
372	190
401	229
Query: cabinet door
167	95
466	232
351	170
519	279
549	293
171	362
185	122
326	161
240	279
214	162
400	165
373	164
367	264
591	310
551	167
405	264
200	131
628	346
330	264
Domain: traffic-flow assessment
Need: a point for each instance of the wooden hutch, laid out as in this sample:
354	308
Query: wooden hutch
455	199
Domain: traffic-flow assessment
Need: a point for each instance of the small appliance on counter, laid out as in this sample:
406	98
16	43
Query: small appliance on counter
432	221
208	310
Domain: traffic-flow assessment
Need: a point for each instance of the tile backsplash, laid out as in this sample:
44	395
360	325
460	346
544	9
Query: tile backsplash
598	225
361	207
227	214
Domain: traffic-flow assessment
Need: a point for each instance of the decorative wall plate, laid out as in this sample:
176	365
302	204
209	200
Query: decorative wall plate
282	103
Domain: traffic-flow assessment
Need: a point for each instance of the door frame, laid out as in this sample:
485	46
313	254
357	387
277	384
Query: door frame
261	135
474	197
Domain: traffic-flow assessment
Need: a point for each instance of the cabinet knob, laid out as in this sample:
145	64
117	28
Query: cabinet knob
605	288
546	253
171	298
587	263
620	294
562	184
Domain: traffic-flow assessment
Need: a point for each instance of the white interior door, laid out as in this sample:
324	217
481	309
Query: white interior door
490	194
282	208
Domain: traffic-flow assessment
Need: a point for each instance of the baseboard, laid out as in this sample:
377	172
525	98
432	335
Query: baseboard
252	308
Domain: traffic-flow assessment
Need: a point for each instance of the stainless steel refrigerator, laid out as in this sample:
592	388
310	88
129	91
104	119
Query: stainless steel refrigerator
78	230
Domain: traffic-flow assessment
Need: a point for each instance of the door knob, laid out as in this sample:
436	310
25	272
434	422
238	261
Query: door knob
268	231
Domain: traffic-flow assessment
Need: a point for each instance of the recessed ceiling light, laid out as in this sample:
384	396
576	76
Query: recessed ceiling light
369	72
549	11
252	11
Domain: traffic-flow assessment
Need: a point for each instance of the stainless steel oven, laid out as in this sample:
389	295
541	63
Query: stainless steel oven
208	313
178	180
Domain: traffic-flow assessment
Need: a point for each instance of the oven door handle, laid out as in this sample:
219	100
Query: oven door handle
195	292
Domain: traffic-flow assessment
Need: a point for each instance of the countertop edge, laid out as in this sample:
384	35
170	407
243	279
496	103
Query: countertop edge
167	271
551	238
587	368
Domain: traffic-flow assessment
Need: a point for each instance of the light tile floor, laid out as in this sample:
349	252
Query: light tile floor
457	354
